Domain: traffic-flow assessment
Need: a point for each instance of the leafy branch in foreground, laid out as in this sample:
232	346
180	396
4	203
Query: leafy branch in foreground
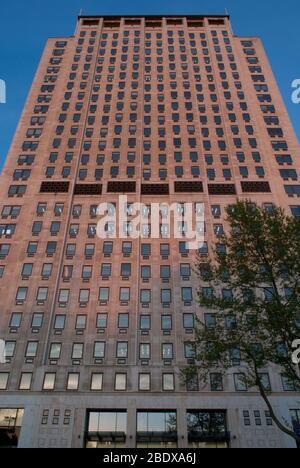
251	287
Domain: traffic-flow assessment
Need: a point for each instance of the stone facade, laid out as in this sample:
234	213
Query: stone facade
207	138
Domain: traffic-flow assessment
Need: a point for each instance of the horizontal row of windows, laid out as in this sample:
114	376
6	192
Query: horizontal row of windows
179	171
161	144
147	173
99	351
106	270
110	228
77	210
160	120
107	250
62	322
161	132
178	157
104	295
159	35
121	383
166	295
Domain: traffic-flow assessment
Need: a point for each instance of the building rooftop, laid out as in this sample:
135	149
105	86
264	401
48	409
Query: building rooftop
194	16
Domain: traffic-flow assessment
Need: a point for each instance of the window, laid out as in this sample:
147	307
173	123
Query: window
216	382
21	294
265	380
51	248
77	351
107	248
287	384
168	382
84	296
206	426
91	230
126	270
145	351
70	250
160	424
144	382
4	250
122	350
123	321
12	211
10	347
106	270
165	250
188	321
67	274
99	349
111	423
25	381
167	351
31	349
15	320
145	296
183	249
127	248
240	383
166	296
166	323
18	190
218	230
97	382
54	229
64	295
187	294
27	270
59	323
86	273
295	210
101	321
42	294
120	382
165	272
145	322
189	350
295	417
146	250
185	270
46	270
41	209
73	381
37	227
55	351
74	230
292	190
103	294
37	321
4	376
49	381
81	322
89	250
124	294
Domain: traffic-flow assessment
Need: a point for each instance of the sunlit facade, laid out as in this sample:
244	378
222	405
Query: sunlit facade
165	110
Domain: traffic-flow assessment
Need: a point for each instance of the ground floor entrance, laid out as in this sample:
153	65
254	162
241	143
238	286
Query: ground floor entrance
10	427
157	429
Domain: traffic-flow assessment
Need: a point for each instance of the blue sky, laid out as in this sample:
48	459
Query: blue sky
26	25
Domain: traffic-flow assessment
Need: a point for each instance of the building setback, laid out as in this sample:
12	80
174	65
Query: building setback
161	109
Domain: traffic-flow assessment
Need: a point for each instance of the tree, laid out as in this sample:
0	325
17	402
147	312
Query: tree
251	287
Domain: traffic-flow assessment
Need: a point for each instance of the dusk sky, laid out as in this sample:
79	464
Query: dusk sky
25	27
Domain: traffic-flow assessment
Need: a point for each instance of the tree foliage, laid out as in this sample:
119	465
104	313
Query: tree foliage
251	289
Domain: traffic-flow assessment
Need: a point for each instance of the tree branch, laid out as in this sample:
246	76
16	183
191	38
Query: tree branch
278	423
